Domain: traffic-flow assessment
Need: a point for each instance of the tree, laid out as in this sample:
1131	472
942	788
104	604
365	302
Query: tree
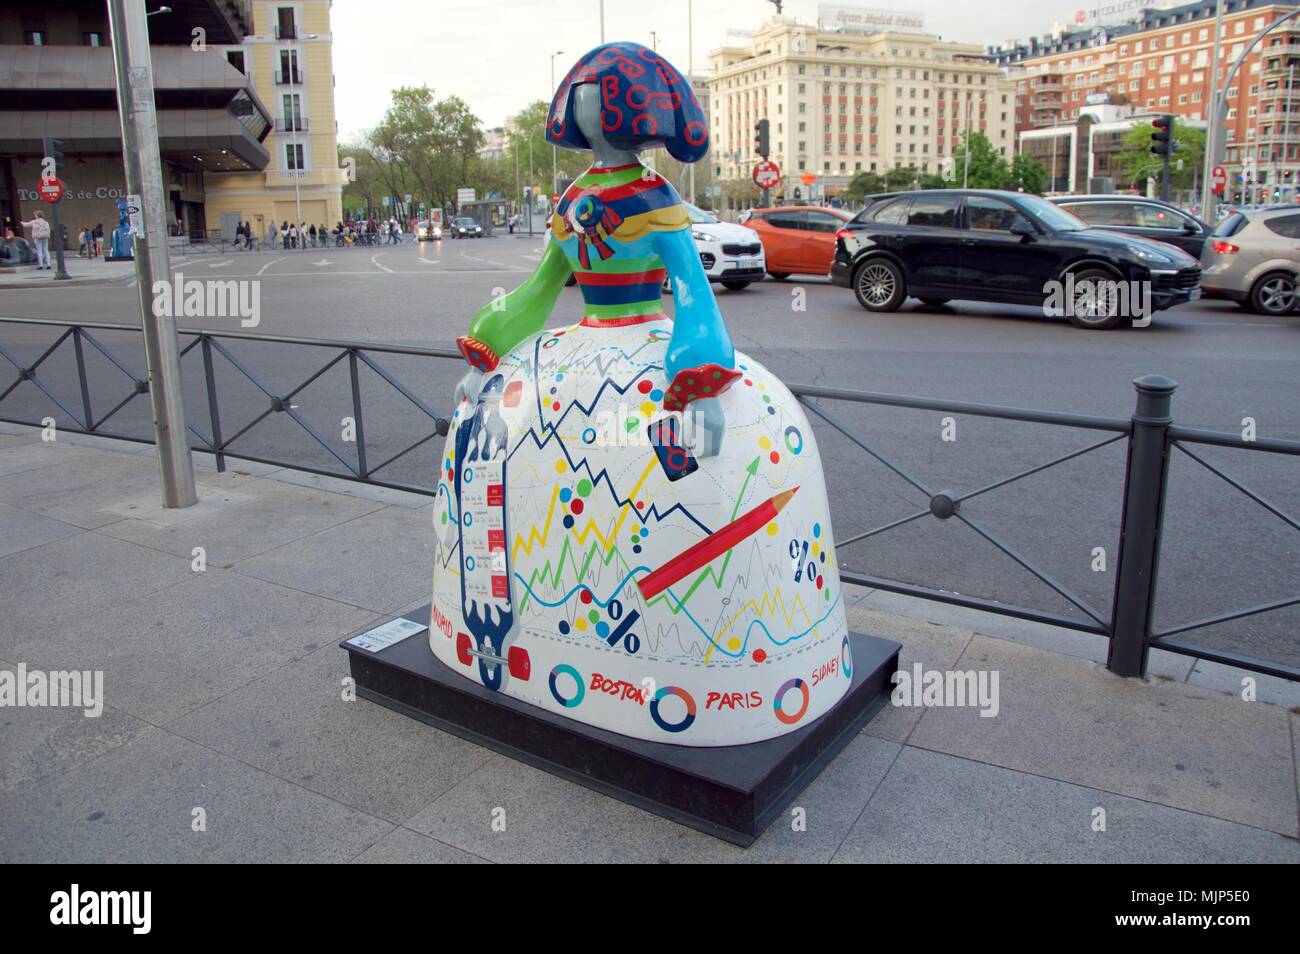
988	170
526	145
1136	162
1028	174
426	147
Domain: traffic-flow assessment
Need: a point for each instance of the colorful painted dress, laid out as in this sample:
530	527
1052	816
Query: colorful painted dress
588	561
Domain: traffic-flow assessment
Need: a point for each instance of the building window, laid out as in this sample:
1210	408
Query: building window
285	29
92	39
293	156
34	37
236	59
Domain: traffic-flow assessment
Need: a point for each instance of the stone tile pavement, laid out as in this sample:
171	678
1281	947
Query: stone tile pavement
223	700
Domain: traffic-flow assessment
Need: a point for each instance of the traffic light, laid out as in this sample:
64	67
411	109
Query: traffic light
1162	136
762	142
54	150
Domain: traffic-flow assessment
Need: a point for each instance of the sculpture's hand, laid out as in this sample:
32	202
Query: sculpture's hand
708	425
468	387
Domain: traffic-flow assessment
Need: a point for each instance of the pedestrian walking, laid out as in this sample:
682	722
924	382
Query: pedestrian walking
312	235
41	239
284	233
272	233
99	240
249	238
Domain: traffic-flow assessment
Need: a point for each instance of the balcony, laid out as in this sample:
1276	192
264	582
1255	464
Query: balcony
288	77
292	124
283	32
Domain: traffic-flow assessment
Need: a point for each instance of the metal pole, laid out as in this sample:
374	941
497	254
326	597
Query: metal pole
293	118
532	194
130	35
555	171
965	176
1140	525
602	21
690	68
1212	127
1286	128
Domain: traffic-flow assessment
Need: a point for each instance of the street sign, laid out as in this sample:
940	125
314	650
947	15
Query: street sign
767	175
135	214
51	189
555	198
807	178
1219	179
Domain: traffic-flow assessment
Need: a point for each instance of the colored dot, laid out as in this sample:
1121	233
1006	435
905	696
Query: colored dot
585	596
733	643
559	466
640	505
584	487
589	435
552	390
636	549
767	399
644	387
575	506
717	374
750	384
816	547
765	443
644	531
760	655
631	424
656	395
565	494
555	406
647	409
636	538
581	624
771	529
568	522
444	517
820	581
771	410
817	529
602	629
593	615
774	457
822	556
559	376
564	628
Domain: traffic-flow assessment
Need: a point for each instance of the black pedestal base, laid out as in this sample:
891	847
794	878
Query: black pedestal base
731	792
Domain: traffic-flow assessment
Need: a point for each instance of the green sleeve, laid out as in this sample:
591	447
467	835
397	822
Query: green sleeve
507	321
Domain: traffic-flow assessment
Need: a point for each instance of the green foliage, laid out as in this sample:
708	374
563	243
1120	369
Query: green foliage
1136	162
987	170
862	185
1028	174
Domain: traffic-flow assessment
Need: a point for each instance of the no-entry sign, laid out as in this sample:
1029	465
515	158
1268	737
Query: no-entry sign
1218	179
50	189
767	175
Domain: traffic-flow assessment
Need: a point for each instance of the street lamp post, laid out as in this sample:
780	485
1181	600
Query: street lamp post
294	119
690	72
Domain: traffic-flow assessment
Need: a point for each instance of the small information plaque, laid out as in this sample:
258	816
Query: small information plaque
381	637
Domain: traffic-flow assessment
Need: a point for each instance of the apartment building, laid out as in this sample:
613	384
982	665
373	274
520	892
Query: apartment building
57	79
1160	62
288	56
845	99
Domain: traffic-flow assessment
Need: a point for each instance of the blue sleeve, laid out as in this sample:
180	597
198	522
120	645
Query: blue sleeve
699	334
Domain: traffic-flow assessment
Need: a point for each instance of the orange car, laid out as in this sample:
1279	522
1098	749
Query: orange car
797	239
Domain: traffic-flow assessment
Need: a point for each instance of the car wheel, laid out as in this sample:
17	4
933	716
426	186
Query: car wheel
935	302
1096	302
879	285
735	286
1274	294
780	276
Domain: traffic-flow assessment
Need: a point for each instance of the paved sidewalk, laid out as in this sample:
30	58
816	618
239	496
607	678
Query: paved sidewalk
224	693
81	271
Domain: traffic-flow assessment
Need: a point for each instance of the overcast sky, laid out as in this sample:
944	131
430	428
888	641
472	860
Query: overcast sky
495	54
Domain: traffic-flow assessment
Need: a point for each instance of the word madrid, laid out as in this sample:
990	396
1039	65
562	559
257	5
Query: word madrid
103	907
208	299
951	689
58	688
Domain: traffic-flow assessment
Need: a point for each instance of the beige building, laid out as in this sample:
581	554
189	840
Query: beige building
288	55
840	102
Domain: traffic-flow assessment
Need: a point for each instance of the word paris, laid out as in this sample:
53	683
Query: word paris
36	689
103	907
1097	299
209	299
951	689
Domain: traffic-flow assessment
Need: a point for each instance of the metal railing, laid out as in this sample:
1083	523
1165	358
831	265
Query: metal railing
1150	436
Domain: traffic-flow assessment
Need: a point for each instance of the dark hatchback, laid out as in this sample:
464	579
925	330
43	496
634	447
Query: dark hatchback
978	245
1145	218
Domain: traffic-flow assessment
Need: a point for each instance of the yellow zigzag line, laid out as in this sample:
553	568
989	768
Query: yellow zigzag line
765	605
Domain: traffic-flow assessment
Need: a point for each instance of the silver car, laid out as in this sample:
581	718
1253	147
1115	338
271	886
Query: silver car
1253	258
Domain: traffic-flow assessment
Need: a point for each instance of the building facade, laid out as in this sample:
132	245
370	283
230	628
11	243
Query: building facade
1161	62
58	80
288	59
839	102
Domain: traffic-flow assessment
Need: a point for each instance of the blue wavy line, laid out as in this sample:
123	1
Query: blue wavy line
758	622
565	598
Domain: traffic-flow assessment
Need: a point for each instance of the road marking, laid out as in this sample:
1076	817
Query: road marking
375	259
219	264
427	261
269	264
321	262
488	261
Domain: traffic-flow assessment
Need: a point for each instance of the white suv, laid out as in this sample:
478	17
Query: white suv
730	254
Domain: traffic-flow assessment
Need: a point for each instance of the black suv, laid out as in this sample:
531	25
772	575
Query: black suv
944	244
1140	216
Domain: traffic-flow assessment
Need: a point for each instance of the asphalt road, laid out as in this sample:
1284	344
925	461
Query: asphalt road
1222	551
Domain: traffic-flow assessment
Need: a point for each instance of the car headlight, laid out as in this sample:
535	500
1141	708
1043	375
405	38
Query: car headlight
1154	256
701	236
